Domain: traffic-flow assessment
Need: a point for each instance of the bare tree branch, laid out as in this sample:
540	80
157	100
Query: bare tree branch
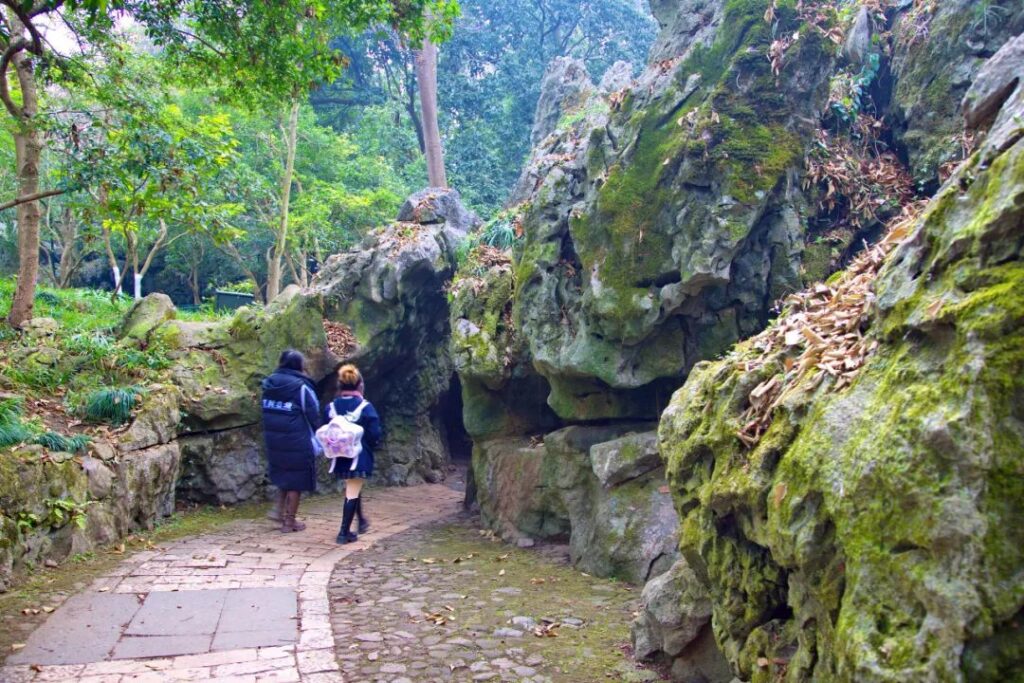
31	198
15	46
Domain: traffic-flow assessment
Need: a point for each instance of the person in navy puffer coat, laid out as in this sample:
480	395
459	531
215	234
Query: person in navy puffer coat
291	415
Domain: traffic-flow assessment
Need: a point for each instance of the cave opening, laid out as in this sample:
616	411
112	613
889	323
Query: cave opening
460	444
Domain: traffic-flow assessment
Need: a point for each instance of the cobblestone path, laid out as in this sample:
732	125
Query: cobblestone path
449	603
242	604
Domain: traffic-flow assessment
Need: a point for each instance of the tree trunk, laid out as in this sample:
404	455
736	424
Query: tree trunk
426	77
69	253
276	255
232	251
141	272
27	150
193	283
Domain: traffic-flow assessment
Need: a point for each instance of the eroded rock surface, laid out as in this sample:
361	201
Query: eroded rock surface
874	533
551	489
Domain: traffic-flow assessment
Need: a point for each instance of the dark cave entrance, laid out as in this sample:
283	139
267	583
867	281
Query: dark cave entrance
460	445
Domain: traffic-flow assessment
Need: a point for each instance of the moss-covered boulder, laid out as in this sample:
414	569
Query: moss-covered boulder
874	533
218	366
146	315
528	488
502	394
673	627
156	421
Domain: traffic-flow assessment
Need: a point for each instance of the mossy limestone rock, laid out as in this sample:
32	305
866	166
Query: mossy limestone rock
630	457
146	315
218	368
390	292
659	226
156	421
548	490
939	50
39	499
876	534
673	627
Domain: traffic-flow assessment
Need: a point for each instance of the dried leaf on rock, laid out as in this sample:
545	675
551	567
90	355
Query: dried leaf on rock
823	325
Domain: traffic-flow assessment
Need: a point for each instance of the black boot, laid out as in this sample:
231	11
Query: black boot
364	523
344	535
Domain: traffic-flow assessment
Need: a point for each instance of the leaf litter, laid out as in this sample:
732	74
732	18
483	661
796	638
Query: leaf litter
821	332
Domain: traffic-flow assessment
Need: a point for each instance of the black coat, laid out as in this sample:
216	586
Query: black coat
369	420
291	415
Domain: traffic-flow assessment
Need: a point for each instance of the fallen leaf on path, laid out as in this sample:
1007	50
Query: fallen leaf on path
17	646
501	573
547	630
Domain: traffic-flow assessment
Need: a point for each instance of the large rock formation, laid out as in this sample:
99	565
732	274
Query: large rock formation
662	218
391	294
874	532
385	305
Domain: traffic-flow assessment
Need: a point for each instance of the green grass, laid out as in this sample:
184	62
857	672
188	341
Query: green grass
111	405
15	430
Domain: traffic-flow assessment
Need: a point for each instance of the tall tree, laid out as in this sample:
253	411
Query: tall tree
21	40
276	255
426	78
488	81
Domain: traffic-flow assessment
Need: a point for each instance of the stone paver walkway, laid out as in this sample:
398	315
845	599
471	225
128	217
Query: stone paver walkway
242	604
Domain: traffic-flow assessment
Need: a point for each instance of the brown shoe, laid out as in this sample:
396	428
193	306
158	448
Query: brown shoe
291	506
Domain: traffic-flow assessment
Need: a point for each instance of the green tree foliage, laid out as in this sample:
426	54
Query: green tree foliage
253	51
489	76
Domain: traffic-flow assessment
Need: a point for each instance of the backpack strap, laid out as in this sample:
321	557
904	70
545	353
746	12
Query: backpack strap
357	414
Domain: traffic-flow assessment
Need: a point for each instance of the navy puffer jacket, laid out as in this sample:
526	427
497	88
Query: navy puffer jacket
291	415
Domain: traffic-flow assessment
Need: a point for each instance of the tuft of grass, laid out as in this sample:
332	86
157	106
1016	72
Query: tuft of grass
499	233
111	405
14	430
58	442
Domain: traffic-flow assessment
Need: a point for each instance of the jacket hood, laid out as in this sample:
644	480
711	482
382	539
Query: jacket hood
285	380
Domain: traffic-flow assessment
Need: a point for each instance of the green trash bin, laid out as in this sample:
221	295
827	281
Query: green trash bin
229	301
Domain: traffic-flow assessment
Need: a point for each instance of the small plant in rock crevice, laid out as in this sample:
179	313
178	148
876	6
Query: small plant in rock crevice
65	510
